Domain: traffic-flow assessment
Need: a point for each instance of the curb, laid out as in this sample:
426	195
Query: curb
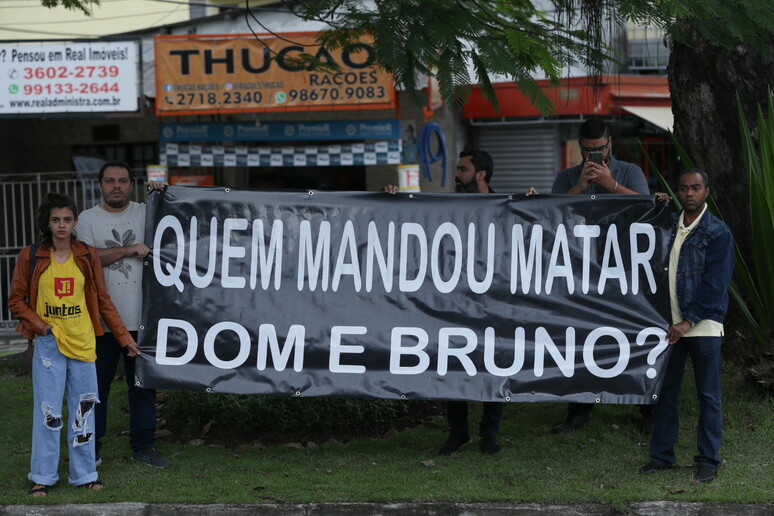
409	509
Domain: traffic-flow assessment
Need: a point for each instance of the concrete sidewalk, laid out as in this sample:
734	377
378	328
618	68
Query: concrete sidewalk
409	509
11	342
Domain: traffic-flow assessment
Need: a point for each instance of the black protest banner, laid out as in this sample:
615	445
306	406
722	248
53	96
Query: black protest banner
475	297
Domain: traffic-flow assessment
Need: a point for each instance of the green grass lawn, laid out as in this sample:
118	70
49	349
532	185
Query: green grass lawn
599	463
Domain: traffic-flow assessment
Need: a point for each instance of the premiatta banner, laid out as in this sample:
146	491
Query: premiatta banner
407	296
198	74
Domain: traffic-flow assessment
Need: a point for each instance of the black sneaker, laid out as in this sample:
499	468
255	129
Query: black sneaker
705	473
489	445
571	424
653	466
454	443
152	457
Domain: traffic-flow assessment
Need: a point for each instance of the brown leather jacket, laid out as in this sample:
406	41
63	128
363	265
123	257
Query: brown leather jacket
97	299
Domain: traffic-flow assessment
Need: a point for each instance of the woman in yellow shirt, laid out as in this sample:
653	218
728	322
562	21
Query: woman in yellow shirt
58	294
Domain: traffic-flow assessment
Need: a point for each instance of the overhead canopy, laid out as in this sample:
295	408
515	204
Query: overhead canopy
658	116
572	97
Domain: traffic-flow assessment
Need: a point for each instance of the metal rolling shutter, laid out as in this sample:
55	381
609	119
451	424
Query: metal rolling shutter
524	155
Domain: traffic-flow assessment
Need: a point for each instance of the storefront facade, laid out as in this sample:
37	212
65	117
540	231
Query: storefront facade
529	148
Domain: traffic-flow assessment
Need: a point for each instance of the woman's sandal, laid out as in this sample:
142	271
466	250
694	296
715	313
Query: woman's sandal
39	490
93	486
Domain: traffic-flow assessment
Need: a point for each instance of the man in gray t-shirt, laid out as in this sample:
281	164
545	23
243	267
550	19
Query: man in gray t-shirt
612	176
608	175
116	227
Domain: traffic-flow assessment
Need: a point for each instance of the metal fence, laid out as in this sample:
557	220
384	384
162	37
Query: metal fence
21	195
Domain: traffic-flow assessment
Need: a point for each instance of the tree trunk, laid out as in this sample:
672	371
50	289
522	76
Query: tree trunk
704	81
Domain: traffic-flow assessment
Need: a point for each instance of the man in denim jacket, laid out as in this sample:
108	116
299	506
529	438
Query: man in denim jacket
700	268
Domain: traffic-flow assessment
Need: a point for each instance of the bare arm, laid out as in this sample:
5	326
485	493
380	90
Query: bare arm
109	255
601	175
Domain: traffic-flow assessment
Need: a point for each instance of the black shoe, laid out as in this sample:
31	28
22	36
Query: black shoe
489	445
454	443
653	466
152	457
705	473
570	424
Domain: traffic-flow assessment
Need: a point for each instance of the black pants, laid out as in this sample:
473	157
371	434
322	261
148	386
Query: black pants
142	402
457	415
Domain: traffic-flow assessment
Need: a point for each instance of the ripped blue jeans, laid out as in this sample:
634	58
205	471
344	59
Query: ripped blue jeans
53	375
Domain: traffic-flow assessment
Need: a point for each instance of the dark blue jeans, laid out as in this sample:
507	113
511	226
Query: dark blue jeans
457	415
705	356
142	402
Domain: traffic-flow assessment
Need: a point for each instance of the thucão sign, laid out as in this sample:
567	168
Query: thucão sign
242	73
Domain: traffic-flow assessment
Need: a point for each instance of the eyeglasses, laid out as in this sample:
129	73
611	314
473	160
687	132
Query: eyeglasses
601	148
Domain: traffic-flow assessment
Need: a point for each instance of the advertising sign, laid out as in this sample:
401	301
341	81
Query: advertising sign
69	77
408	296
332	155
245	73
279	131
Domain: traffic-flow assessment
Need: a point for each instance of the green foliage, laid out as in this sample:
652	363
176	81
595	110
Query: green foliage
440	38
723	22
520	41
759	161
74	5
239	418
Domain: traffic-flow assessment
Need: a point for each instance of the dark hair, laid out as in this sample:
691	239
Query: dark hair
481	161
50	201
119	164
694	170
593	129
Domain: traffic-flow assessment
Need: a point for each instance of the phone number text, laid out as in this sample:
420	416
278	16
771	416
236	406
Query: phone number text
227	97
68	88
256	97
77	72
350	92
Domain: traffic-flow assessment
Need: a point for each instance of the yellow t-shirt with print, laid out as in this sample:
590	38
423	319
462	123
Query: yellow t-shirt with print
62	304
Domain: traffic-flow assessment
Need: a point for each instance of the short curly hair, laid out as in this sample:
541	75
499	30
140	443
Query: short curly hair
50	201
